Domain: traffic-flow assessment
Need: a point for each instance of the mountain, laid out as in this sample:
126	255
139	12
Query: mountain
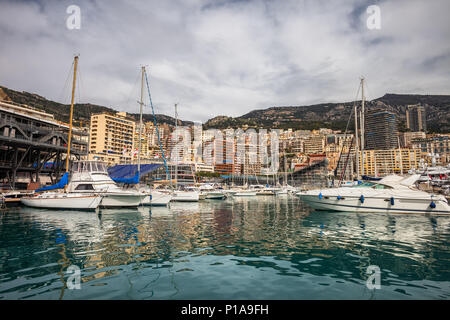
336	115
82	111
324	115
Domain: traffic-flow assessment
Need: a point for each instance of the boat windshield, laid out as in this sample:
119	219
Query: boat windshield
89	166
372	185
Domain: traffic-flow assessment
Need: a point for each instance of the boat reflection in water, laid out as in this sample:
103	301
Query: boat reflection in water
246	249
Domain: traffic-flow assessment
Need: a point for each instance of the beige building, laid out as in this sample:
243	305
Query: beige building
111	138
314	144
408	137
379	163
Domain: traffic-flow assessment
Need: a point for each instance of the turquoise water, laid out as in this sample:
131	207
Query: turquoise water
255	248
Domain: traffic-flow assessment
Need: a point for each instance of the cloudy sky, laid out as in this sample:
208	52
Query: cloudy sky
225	57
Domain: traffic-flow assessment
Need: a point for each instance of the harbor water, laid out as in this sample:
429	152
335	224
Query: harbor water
244	248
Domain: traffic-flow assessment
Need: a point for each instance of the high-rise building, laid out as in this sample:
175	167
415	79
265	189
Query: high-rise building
416	118
380	129
111	137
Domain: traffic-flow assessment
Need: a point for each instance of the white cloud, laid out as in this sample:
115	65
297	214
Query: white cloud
226	58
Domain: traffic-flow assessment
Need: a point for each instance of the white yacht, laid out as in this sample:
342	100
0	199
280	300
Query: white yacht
91	176
211	193
156	198
393	194
62	200
245	193
189	194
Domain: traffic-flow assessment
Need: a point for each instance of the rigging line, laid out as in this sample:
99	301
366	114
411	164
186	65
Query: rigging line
156	126
134	86
66	84
78	83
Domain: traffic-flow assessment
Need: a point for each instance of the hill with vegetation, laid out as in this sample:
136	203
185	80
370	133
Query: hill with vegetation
324	115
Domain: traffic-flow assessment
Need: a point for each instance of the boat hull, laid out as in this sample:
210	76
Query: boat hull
157	199
215	196
63	201
117	200
245	194
384	205
186	197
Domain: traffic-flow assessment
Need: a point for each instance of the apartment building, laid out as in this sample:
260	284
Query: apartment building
380	163
111	138
314	144
416	118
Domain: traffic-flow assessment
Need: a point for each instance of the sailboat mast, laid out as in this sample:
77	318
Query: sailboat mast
362	125
141	103
176	149
357	143
400	155
71	112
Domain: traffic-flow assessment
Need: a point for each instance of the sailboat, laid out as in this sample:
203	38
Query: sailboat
189	194
50	199
152	197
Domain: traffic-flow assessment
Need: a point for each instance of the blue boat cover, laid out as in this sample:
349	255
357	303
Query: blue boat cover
61	183
127	173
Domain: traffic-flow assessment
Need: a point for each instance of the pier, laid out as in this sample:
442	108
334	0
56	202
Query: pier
32	143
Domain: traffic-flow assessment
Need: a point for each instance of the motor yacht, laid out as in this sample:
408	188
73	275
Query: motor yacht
393	194
156	198
189	194
91	176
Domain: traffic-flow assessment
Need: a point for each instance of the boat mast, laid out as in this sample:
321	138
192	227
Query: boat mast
400	155
141	103
71	112
362	125
176	149
285	169
357	143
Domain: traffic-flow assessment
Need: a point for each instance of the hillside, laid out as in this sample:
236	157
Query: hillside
336	115
324	115
82	112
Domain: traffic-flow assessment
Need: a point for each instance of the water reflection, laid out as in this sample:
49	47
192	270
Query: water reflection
236	248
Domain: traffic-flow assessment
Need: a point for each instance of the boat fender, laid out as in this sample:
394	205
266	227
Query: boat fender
339	197
392	201
432	205
320	195
361	199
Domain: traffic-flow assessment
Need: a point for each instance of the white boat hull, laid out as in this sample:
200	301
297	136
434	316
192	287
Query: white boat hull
63	201
215	196
156	199
186	196
114	200
354	204
245	194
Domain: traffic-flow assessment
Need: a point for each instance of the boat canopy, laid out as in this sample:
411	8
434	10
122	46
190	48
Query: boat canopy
128	173
61	183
